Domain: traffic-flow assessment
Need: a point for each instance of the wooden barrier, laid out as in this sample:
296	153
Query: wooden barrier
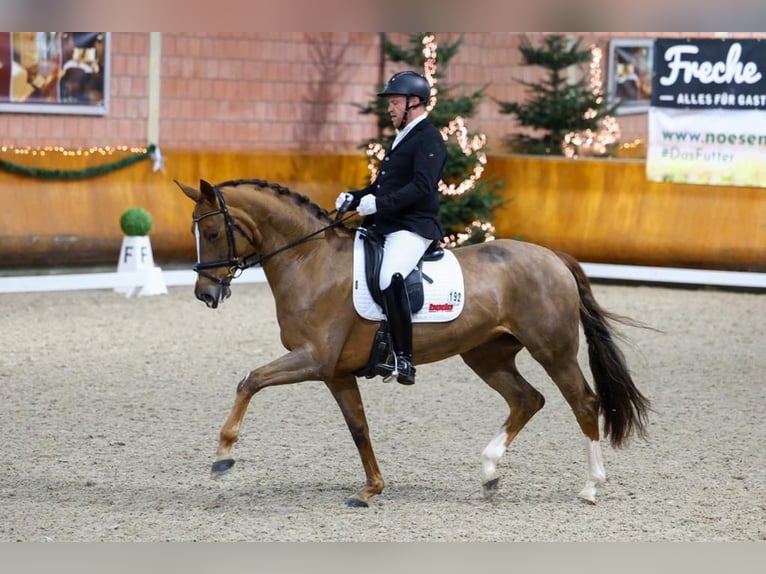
605	211
597	210
53	223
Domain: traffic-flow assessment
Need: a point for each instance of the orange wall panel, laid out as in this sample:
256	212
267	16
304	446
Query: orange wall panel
597	210
606	211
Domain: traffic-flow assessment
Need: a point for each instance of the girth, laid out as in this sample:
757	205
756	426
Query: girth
373	259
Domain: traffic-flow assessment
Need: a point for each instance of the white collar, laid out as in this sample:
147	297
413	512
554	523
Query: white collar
407	129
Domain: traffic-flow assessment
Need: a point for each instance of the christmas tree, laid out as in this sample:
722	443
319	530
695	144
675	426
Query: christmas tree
467	202
563	115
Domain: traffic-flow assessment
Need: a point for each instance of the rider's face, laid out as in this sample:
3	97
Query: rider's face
396	107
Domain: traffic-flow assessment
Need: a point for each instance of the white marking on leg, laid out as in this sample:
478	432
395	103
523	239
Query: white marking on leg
491	455
596	472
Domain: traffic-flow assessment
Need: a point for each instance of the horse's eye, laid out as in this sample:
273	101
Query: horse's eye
213	235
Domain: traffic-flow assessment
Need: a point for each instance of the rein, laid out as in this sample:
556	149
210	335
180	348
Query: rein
238	264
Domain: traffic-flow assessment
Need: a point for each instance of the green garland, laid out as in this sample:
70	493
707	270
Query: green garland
76	173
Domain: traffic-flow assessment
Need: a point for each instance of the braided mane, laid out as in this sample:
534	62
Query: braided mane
299	199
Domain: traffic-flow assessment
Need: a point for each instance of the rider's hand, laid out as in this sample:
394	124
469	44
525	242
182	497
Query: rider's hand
342	198
367	205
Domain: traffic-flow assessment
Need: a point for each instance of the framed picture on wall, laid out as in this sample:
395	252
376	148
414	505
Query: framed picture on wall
54	72
630	74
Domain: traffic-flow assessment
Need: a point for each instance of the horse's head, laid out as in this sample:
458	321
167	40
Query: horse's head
222	244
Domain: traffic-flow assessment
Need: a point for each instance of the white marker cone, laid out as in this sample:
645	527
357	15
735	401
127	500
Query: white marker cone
136	257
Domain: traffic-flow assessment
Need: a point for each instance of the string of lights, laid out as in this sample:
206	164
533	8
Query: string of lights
468	145
484	227
590	142
45	150
136	154
429	68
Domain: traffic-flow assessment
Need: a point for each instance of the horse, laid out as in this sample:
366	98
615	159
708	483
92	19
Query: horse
517	295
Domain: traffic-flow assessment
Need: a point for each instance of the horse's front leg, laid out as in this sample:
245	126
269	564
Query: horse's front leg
296	366
346	392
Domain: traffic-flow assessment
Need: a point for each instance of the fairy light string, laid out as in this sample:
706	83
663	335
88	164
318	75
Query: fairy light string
136	154
470	146
429	68
590	142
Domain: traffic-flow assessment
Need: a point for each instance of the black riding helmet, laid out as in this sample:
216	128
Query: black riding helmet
407	84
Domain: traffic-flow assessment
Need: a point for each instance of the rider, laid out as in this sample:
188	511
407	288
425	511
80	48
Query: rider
402	204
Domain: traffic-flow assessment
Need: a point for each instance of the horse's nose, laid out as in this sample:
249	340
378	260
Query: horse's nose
208	298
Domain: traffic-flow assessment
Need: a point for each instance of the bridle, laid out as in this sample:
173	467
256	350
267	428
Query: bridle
236	264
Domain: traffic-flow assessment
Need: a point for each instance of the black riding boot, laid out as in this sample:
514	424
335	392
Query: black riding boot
399	315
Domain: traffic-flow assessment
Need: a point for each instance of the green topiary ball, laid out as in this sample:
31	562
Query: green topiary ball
136	221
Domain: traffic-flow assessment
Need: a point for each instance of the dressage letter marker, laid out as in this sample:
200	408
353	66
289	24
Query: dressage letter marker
136	256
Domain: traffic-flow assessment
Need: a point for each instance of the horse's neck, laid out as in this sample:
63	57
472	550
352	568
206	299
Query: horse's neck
275	220
281	222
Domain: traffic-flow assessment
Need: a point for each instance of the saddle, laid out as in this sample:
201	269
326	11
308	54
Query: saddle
382	348
373	258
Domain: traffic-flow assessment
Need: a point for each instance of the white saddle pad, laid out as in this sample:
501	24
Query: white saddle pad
443	299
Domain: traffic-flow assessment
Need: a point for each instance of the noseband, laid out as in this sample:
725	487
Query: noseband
236	264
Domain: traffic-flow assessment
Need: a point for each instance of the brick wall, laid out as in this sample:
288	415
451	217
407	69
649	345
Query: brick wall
281	91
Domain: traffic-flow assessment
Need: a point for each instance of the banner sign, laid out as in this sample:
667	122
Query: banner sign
707	117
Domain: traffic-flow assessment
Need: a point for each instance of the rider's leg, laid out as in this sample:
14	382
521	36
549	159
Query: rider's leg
399	314
401	254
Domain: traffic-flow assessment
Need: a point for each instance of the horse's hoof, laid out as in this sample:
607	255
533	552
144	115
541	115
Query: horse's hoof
354	502
587	498
588	494
490	487
221	467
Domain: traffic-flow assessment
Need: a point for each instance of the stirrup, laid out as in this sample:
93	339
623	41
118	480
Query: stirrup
406	377
391	372
388	371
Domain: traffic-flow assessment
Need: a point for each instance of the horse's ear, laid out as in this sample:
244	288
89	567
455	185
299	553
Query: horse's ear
190	192
207	191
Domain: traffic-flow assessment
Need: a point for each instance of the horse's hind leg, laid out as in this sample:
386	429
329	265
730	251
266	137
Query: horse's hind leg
495	363
346	393
568	376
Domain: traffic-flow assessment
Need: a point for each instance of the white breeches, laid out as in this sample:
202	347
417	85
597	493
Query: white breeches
401	253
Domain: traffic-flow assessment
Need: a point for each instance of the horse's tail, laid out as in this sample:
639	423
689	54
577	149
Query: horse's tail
622	405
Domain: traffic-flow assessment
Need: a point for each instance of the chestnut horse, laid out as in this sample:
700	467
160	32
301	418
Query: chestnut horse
517	295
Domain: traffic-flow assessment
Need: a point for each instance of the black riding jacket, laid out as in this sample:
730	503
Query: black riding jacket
406	192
